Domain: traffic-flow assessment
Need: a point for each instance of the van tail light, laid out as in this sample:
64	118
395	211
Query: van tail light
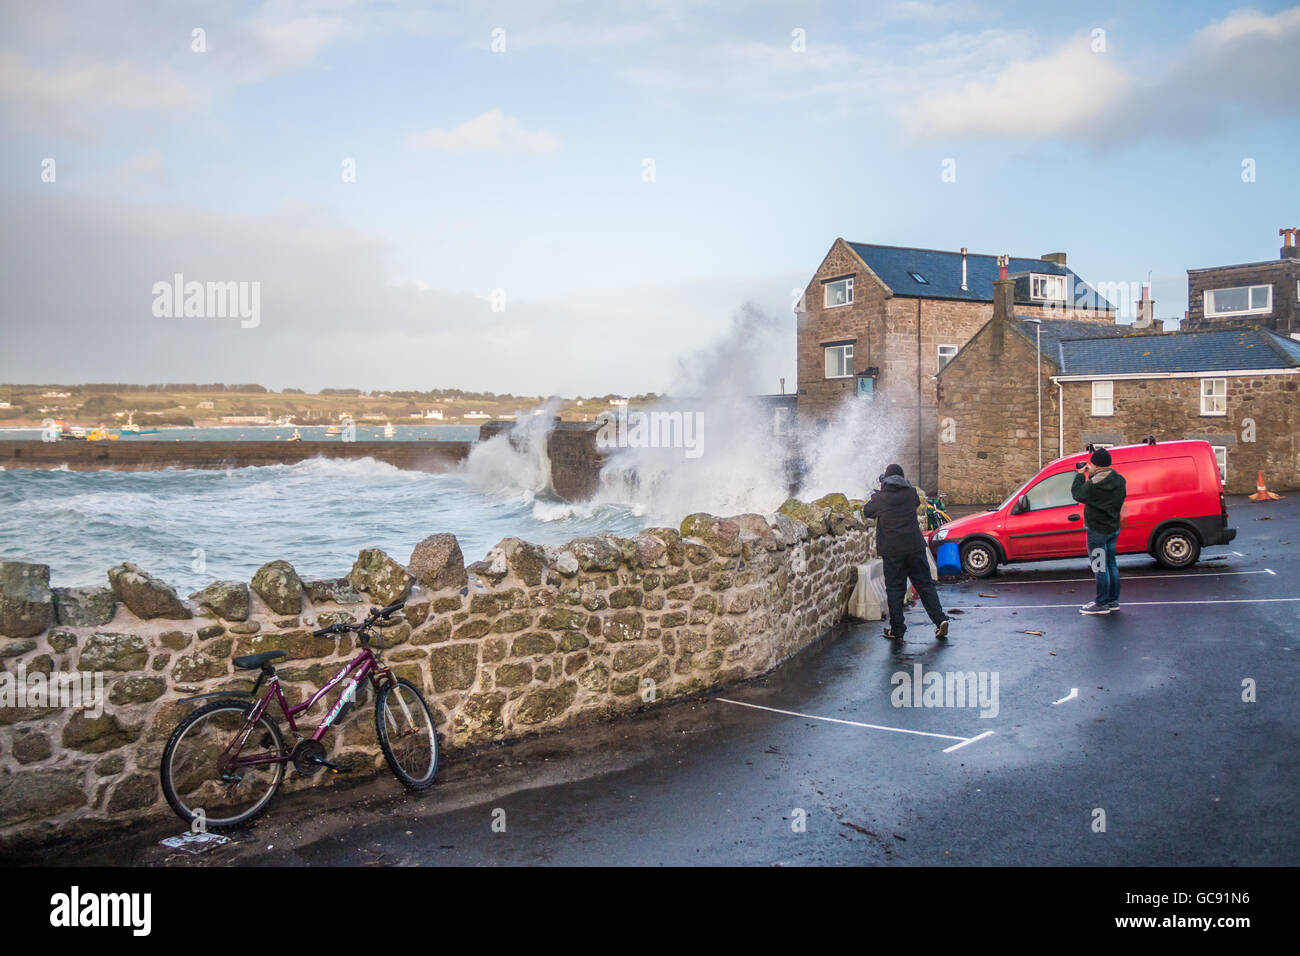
1223	504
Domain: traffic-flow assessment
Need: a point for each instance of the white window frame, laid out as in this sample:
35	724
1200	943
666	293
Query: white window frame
1207	298
1107	400
846	359
1214	406
945	359
1038	283
848	293
1221	459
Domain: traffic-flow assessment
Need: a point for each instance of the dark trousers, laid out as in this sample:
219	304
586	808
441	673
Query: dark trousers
1101	555
899	568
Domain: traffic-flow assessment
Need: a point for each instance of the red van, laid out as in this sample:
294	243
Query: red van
1175	507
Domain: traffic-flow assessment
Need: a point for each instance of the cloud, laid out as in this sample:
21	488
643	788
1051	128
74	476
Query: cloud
492	131
1234	71
1062	93
81	270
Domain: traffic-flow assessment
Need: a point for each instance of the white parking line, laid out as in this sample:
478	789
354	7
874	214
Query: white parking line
962	741
971	740
1026	607
1074	692
1134	577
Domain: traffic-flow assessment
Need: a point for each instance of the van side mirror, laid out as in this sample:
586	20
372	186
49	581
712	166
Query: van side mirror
1021	506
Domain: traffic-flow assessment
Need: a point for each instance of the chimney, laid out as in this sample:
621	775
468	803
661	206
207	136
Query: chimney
963	269
1004	291
1145	317
1158	324
1289	249
1057	257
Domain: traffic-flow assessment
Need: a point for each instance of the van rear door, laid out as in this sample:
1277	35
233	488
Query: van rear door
1158	489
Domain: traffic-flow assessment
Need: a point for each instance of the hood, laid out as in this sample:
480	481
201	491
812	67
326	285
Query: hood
1107	478
894	482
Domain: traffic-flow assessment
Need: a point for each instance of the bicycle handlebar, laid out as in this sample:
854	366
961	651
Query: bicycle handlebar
375	614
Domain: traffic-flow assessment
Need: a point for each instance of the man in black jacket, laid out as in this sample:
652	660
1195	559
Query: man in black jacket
902	550
1101	490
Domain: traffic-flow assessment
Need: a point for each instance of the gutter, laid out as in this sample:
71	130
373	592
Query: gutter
1122	376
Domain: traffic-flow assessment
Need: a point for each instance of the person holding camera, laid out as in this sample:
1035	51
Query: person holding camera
1101	491
902	551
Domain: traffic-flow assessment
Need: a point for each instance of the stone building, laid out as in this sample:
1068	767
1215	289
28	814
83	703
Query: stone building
1253	294
878	322
1238	389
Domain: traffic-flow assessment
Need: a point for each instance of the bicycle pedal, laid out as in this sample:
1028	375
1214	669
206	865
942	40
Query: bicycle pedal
332	767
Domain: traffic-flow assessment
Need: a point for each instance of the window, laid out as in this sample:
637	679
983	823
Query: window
1052	492
1242	300
1214	396
1051	288
946	352
781	420
1103	398
1221	458
839	292
839	361
919	278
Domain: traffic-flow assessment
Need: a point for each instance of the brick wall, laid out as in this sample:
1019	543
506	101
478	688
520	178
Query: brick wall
1170	409
1282	274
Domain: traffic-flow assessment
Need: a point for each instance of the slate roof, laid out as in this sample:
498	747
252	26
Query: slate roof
1214	351
942	271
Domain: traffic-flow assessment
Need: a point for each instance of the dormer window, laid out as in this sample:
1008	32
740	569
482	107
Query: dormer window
1047	288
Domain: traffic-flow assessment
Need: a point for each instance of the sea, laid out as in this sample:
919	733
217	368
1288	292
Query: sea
191	527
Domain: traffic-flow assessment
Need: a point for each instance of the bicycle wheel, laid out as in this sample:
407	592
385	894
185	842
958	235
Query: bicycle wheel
404	726
191	781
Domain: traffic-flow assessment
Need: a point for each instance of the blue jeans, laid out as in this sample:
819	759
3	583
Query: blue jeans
1101	553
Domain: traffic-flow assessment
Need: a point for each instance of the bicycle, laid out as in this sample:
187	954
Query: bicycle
212	774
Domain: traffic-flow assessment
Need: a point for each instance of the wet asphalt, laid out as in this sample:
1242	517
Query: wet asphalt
1156	743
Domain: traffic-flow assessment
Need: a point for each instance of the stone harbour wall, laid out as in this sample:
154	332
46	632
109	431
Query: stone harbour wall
530	639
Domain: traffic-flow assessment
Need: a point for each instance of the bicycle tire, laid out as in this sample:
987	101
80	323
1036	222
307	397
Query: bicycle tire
165	767
381	732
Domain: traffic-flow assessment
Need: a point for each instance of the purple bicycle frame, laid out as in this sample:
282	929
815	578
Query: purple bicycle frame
364	665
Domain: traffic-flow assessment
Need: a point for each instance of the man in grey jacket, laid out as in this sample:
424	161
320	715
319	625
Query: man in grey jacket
901	547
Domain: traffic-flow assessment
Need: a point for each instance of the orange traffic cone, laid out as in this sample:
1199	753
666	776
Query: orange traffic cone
1263	494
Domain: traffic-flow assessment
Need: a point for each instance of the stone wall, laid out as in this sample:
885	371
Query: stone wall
527	640
1170	409
990	400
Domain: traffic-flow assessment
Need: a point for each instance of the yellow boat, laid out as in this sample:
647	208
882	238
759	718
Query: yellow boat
101	434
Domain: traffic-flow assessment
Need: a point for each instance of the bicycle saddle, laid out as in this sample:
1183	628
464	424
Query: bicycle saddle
254	661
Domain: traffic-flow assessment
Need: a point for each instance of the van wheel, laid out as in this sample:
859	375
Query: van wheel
979	559
1177	548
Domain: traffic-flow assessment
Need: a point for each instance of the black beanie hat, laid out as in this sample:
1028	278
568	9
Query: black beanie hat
893	470
1100	458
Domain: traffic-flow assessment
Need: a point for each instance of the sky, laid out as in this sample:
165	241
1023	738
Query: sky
576	198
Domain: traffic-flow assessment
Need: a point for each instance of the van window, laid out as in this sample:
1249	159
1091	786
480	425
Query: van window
1052	492
1161	476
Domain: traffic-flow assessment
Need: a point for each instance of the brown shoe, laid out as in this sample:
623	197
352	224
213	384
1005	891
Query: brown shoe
941	632
891	636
